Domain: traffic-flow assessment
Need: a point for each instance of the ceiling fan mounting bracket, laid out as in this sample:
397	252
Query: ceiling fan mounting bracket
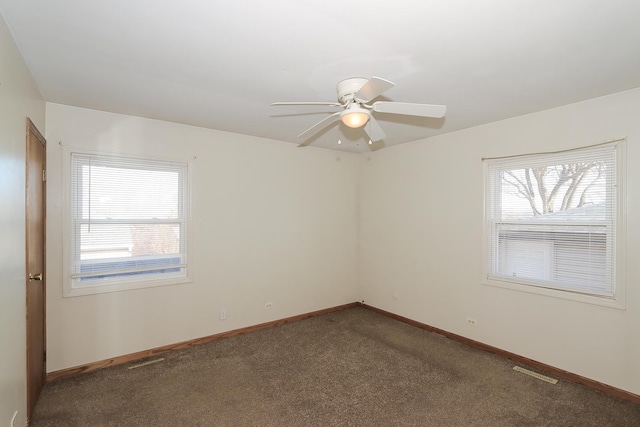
347	88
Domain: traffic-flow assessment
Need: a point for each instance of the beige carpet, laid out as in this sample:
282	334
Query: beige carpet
349	368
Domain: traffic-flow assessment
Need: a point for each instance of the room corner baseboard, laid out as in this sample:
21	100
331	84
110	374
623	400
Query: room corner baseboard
560	373
159	350
610	390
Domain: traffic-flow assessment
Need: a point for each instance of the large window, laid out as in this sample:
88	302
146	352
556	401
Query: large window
128	223
554	221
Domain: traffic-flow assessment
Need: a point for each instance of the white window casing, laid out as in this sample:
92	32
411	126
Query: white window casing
126	223
555	224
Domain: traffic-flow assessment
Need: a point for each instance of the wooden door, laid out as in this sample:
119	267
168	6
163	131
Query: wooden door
35	235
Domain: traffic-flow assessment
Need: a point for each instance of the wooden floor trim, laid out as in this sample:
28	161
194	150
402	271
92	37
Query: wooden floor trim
159	350
613	391
560	373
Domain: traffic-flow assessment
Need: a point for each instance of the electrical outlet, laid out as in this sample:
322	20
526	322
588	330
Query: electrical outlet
223	314
268	305
471	322
14	419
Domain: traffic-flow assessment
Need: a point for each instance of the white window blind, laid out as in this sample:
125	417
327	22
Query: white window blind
552	220
128	220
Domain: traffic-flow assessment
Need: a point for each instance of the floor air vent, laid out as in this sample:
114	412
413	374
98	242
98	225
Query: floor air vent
535	375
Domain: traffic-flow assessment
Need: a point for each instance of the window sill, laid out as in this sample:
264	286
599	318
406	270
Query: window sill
70	292
617	303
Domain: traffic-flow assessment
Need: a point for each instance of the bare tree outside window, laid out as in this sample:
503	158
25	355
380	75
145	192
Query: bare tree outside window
549	189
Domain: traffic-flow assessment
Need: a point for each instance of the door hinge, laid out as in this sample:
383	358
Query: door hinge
44	356
44	174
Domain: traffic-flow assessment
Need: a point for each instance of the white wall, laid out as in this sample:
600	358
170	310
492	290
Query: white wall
19	99
421	238
273	223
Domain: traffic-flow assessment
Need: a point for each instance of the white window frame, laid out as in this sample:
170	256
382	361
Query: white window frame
124	283
618	300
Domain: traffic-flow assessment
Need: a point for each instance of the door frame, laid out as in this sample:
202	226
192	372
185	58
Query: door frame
32	131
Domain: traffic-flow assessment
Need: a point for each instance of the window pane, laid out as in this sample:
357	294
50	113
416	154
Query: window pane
125	193
569	191
104	241
559	256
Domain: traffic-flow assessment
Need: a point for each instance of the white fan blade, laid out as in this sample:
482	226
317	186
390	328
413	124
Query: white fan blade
373	88
373	129
335	104
423	110
321	124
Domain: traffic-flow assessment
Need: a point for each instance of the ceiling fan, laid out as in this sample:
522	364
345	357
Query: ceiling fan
354	96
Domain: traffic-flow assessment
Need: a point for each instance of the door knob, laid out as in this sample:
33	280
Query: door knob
35	276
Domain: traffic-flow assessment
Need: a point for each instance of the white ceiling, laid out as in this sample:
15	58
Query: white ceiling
219	64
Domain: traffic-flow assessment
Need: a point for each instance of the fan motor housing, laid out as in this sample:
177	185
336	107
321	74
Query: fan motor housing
348	87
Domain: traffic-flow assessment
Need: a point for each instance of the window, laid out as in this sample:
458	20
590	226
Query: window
128	223
554	221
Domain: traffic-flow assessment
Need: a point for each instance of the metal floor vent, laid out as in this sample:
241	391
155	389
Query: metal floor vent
147	363
535	375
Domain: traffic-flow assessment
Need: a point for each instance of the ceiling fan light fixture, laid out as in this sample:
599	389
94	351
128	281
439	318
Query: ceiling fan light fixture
355	117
